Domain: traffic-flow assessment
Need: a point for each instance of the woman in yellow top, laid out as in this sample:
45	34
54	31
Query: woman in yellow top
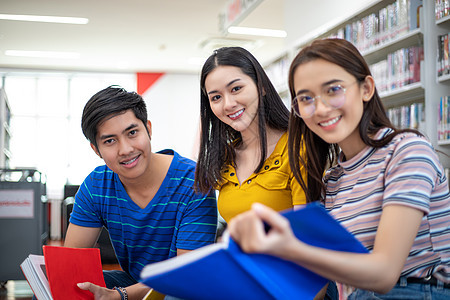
243	147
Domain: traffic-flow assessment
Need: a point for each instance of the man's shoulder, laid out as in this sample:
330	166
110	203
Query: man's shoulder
102	172
101	182
99	174
181	174
179	162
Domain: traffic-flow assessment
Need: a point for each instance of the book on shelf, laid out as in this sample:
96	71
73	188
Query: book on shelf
414	7
400	68
224	271
444	119
443	57
55	274
408	116
382	26
442	8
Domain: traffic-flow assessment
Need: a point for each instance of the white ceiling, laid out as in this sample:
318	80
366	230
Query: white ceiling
131	35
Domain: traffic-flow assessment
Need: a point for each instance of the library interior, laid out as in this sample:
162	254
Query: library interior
50	68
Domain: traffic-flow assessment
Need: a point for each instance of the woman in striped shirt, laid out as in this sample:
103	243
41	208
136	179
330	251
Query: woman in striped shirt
385	185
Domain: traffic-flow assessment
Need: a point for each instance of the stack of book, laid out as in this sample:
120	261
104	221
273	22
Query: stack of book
55	274
388	23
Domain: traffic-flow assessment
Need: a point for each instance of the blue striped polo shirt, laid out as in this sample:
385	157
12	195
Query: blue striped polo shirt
176	217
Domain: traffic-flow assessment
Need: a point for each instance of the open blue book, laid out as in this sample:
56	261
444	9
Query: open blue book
224	271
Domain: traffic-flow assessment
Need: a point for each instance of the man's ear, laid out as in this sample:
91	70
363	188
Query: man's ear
96	150
368	88
149	128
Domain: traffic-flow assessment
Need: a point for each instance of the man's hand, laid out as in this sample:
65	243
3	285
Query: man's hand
100	293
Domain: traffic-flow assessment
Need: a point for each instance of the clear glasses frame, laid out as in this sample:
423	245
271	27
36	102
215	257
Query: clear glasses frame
333	96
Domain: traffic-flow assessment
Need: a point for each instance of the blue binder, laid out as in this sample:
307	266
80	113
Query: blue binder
224	271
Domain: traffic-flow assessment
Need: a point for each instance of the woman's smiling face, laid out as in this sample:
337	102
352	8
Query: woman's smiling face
333	125
233	97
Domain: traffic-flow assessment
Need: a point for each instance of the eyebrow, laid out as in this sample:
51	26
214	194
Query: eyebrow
229	83
107	136
322	85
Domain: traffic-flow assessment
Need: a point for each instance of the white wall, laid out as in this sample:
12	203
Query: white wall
46	123
173	105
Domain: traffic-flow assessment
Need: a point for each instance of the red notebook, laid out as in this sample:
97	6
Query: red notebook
68	266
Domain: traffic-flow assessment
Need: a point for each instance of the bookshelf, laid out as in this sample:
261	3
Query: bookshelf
442	19
5	133
417	30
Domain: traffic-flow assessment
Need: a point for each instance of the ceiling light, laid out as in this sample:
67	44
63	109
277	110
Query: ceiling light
48	19
43	54
257	31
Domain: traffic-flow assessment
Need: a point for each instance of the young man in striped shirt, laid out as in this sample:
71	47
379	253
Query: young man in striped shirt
146	200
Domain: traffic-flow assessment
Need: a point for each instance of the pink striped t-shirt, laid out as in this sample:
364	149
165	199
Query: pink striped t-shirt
406	172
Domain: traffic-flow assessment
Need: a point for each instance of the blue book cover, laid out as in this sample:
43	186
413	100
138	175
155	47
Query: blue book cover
224	271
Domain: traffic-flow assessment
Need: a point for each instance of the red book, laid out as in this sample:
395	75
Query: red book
68	266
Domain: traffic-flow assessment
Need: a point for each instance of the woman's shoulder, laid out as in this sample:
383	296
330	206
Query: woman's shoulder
412	147
281	143
402	137
410	139
228	173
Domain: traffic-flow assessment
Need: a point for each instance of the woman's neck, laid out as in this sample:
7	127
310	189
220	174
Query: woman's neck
251	141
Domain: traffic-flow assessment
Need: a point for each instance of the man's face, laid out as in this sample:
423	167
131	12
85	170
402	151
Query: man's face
124	144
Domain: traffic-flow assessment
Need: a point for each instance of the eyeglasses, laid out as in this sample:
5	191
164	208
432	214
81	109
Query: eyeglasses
332	95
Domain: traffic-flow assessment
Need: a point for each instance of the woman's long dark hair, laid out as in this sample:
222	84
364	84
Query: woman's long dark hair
320	154
218	140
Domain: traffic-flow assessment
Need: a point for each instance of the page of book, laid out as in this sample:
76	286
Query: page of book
33	268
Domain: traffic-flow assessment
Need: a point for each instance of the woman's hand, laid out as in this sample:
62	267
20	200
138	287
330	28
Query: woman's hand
247	229
100	293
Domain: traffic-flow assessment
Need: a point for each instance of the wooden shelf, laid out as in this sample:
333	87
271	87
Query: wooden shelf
381	51
5	132
444	143
403	95
443	21
444	78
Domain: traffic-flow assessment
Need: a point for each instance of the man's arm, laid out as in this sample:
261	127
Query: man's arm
135	292
182	251
81	237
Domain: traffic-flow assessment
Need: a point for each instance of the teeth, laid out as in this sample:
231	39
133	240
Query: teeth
331	122
130	161
236	114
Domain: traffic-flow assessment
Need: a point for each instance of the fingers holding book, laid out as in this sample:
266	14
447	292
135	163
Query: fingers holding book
261	230
100	293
